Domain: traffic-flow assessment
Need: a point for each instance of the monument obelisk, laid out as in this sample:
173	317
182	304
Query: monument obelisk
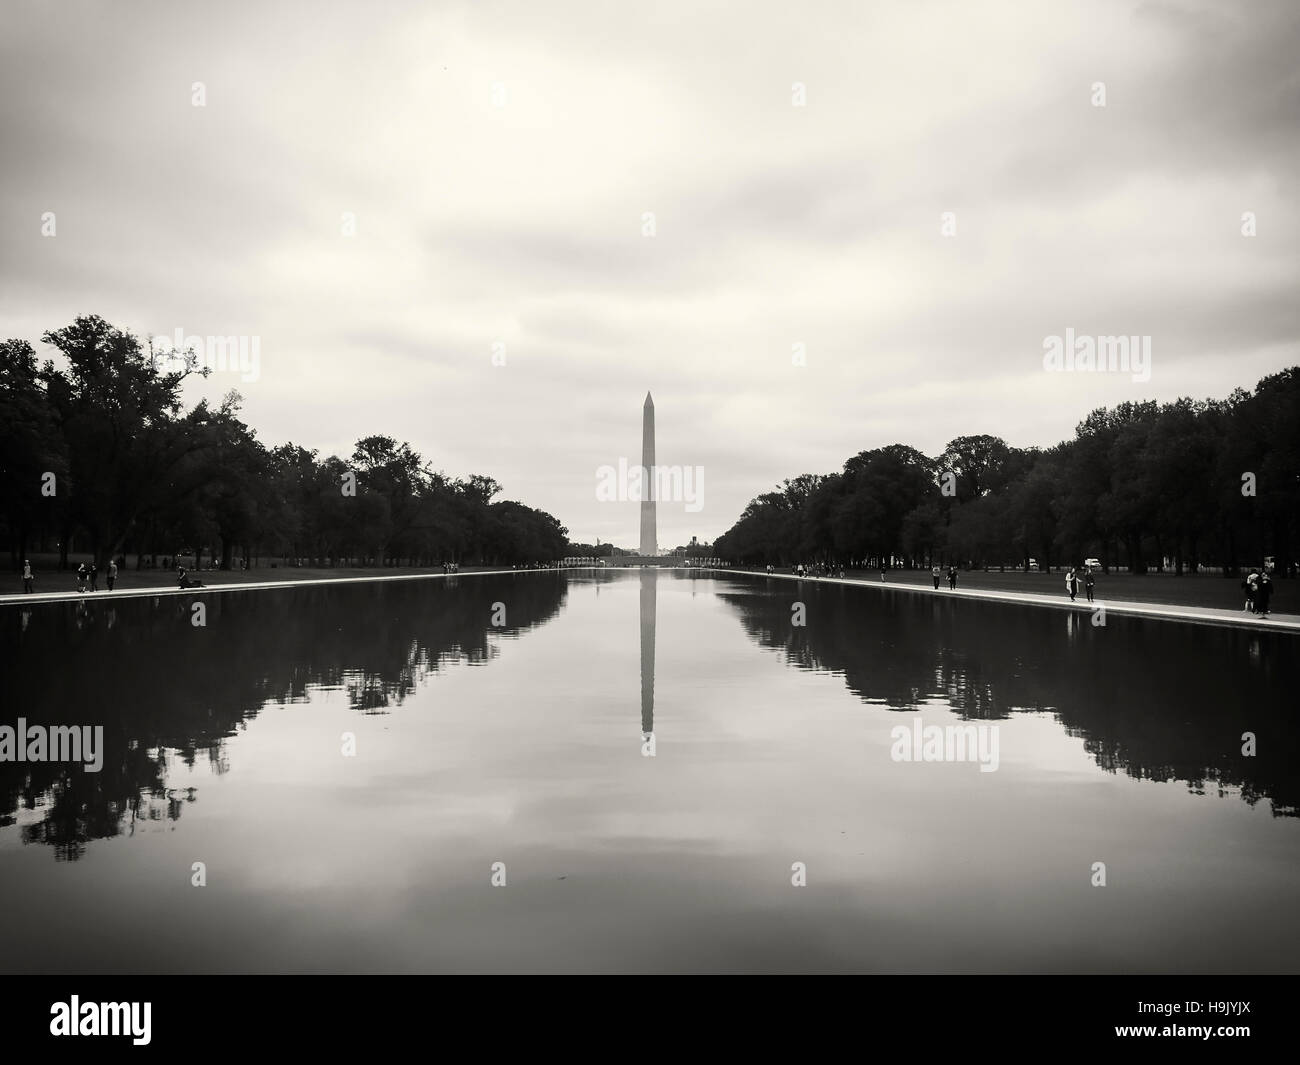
649	547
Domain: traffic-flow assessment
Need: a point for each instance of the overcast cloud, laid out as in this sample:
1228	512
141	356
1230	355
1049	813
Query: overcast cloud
775	224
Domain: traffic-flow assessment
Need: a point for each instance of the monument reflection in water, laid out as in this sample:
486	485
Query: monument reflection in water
649	582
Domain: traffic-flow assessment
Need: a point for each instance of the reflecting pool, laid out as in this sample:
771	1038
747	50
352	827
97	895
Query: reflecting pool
633	771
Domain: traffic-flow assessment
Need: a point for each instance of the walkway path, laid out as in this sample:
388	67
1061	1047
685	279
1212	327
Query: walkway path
241	586
1160	611
1199	614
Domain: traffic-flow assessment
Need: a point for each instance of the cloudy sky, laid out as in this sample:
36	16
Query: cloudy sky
500	159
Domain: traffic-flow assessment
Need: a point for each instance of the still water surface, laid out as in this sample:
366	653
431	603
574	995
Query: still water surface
523	744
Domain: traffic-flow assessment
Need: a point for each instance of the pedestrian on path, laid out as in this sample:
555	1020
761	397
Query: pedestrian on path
883	566
1263	594
81	578
1249	584
112	574
952	578
1072	584
28	575
935	573
94	576
1089	581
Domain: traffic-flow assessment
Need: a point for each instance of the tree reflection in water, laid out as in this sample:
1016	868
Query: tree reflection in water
164	689
1157	700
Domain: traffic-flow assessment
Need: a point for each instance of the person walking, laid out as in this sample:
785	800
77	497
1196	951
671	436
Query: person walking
1251	583
935	574
1072	584
112	573
81	578
1263	594
884	565
952	578
1089	581
94	576
28	575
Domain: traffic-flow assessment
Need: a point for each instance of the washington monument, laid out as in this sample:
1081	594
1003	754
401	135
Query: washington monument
649	548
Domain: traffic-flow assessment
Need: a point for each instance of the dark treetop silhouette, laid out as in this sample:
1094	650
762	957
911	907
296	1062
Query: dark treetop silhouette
1210	483
133	471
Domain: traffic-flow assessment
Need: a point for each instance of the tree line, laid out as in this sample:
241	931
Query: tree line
102	456
1188	484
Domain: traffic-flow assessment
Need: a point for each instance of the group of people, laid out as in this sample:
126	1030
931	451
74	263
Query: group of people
87	576
812	569
1258	586
937	574
1072	582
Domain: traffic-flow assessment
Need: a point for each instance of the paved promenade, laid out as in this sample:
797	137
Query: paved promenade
233	586
1119	608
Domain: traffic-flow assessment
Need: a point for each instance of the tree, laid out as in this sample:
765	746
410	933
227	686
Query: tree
30	451
117	413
